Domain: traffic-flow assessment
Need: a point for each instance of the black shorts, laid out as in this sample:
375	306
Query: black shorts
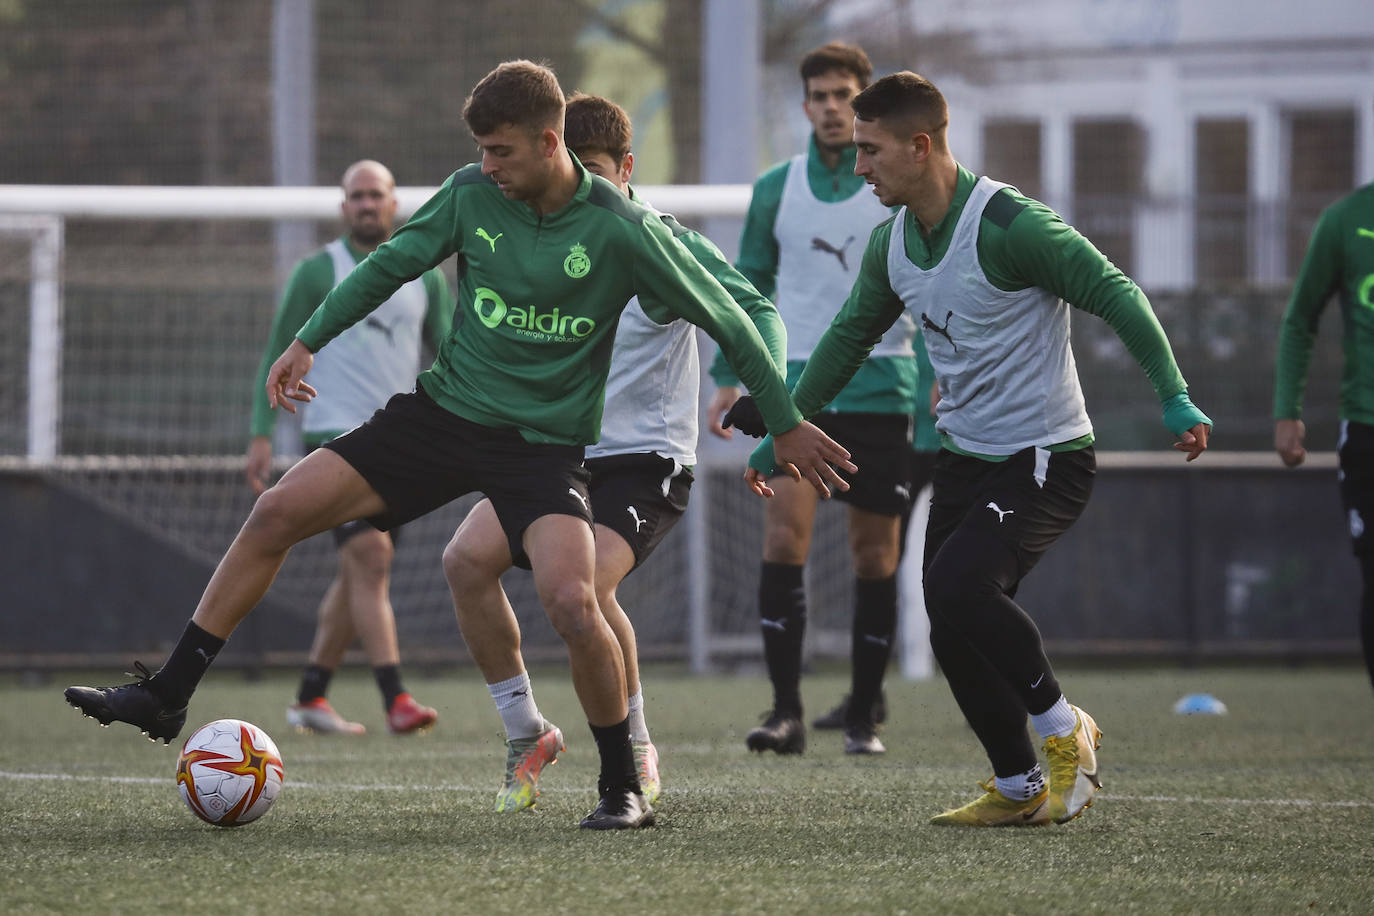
1356	451
880	444
419	456
922	470
640	497
349	530
1025	502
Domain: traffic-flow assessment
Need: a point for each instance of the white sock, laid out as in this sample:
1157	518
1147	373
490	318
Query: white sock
515	702
639	731
1058	721
1022	786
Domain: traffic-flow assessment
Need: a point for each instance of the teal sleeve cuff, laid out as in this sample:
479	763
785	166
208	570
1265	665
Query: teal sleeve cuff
762	459
1180	414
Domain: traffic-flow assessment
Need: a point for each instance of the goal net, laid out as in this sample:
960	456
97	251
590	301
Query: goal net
138	317
135	320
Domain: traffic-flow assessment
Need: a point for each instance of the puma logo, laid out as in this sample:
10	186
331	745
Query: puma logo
205	655
819	244
942	331
374	322
490	240
580	498
639	522
779	625
1001	514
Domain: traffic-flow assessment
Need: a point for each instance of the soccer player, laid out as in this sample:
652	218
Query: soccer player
641	477
548	259
1339	262
802	238
367	364
990	273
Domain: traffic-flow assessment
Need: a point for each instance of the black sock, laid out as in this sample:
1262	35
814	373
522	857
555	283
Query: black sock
389	683
875	624
782	618
314	683
617	757
176	680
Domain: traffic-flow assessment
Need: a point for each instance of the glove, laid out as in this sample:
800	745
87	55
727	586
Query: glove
744	416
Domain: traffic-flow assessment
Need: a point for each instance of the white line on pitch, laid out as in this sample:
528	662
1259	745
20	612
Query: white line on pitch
1293	802
353	787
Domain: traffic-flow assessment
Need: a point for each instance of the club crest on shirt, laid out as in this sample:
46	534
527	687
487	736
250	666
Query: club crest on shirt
577	265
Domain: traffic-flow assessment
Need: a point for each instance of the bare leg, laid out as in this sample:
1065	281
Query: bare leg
788	520
563	555
873	543
318	493
474	561
334	629
614	561
365	565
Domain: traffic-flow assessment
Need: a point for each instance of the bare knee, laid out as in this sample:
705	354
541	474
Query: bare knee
874	543
874	561
572	609
275	522
460	564
786	542
369	555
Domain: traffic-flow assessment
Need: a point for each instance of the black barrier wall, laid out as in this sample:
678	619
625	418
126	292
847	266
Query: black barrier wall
1175	562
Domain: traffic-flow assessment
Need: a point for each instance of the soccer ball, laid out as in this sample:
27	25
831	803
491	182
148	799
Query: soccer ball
229	773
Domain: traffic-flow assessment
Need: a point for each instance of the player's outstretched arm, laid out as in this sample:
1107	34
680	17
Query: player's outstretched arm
285	379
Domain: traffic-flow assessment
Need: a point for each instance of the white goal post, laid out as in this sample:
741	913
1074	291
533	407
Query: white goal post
294	203
43	230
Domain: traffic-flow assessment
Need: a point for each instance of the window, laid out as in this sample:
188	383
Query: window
1321	169
1011	153
1108	168
1222	205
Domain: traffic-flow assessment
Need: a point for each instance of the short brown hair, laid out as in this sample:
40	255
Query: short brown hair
594	124
904	97
518	92
837	55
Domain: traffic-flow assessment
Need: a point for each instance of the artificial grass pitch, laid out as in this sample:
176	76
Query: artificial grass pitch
1267	809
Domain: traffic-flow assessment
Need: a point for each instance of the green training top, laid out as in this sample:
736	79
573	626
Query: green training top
539	297
309	283
1021	244
1340	260
884	384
